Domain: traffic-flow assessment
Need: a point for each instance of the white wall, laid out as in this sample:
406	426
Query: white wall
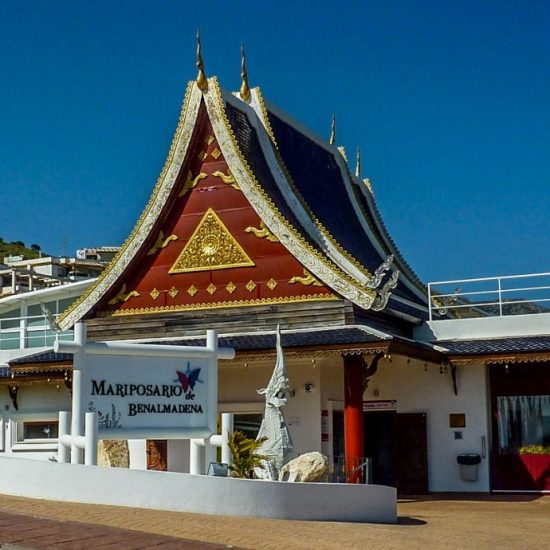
198	494
37	402
419	388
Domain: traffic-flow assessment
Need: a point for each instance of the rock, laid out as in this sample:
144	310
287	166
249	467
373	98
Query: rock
113	453
307	467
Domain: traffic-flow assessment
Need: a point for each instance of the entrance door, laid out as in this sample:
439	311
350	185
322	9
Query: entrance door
379	428
411	453
157	454
397	446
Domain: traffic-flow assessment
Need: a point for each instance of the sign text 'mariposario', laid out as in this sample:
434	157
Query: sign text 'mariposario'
180	408
142	390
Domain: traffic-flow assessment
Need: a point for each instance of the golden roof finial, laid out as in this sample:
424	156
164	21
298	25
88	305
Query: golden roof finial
202	83
245	90
333	130
358	163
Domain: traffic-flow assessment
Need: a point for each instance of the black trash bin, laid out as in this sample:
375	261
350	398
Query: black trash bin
468	466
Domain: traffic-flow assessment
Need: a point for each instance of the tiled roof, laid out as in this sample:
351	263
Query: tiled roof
340	336
43	357
497	345
325	337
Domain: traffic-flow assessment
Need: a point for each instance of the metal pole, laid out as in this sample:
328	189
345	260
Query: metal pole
499	297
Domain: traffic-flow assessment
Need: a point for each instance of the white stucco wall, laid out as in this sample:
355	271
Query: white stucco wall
198	494
419	388
36	403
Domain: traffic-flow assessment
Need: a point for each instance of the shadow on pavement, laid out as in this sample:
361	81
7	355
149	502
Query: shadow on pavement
408	520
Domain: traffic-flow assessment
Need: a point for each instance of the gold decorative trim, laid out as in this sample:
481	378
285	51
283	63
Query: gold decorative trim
271	284
192	290
227	178
230	287
161	242
265	115
173	292
262	232
244	92
210	247
123	296
211	288
202	155
307	280
191	182
202	81
220	305
154	294
341	281
250	286
248	357
215	153
210	139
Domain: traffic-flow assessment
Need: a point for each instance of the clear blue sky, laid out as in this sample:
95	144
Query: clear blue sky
448	100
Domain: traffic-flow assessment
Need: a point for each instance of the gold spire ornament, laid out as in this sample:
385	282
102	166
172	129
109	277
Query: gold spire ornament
333	130
202	83
358	163
245	89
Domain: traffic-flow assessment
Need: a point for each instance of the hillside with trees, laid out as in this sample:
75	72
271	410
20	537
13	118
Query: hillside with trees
18	248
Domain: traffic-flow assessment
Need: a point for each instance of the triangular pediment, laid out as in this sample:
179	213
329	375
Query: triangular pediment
211	247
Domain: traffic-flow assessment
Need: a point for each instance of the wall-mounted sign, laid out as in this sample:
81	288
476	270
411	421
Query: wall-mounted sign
390	404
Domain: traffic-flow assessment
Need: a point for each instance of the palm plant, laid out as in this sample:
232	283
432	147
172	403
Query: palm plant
244	454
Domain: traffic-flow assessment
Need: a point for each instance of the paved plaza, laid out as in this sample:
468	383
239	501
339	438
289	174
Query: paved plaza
435	521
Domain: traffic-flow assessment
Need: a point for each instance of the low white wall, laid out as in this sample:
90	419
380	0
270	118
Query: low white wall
485	327
199	494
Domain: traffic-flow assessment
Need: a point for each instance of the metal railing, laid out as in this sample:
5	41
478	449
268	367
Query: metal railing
490	296
32	331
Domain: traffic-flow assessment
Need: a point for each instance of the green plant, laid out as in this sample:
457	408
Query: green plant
244	452
534	450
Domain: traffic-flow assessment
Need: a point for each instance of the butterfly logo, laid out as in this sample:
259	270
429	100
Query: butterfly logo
189	378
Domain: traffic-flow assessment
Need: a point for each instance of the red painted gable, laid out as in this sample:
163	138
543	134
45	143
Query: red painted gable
153	283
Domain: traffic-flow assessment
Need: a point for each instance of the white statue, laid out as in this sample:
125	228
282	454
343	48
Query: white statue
278	444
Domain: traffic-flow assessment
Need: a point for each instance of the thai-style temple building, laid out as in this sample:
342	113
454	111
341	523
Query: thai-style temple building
256	223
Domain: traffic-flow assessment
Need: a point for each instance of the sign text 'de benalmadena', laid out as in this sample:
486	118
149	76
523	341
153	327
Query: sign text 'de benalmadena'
146	393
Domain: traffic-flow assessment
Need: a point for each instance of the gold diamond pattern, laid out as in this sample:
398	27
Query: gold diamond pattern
154	294
211	288
192	290
271	284
216	153
203	155
250	286
173	292
230	287
209	139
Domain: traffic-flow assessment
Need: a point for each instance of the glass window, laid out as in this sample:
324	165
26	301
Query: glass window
523	420
40	430
249	423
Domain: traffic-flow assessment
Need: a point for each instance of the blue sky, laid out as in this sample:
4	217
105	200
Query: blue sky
448	100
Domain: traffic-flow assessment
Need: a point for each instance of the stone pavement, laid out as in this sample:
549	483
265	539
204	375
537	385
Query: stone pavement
437	521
